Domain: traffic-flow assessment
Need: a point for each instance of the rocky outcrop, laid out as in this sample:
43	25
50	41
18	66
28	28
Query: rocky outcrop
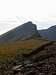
41	62
22	32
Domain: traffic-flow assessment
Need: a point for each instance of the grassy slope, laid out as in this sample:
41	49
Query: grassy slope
10	49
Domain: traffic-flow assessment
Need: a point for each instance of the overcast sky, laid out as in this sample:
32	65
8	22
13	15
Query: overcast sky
16	12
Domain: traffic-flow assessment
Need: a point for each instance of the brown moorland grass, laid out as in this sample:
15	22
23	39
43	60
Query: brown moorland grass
26	46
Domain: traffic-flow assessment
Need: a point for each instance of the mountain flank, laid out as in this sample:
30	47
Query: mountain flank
22	32
49	33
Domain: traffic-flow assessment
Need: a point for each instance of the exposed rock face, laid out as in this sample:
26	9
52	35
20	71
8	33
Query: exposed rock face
49	33
42	61
22	32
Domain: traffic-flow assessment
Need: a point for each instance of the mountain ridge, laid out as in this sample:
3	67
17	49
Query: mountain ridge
49	33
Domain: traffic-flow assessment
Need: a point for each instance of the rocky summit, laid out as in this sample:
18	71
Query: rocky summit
22	32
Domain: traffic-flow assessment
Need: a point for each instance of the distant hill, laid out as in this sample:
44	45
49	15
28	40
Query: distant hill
25	31
49	33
